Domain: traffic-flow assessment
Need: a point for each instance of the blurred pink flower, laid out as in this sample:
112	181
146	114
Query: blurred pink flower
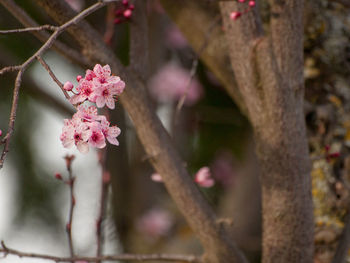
155	223
203	177
156	177
174	38
223	168
171	82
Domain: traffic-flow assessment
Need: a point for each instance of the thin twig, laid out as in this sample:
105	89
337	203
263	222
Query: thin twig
71	179
23	67
27	21
55	79
344	243
29	29
194	66
11	125
10	69
127	257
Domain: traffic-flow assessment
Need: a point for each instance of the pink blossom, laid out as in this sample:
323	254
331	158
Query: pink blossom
105	94
75	132
103	75
86	114
86	91
156	177
111	133
170	83
155	223
97	139
68	86
0	132
203	177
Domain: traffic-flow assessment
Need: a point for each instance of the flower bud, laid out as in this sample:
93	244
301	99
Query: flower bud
79	78
251	3
0	132
68	86
58	176
235	15
127	13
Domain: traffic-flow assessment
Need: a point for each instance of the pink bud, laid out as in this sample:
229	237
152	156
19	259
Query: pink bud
58	176
79	78
131	7
125	2
156	177
68	86
203	177
127	13
251	3
117	21
235	15
0	132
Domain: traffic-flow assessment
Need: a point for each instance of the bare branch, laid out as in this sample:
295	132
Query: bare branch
29	29
27	21
9	69
127	257
11	125
71	179
59	83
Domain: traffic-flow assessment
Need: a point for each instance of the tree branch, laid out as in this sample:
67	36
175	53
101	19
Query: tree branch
127	257
27	21
29	29
55	79
217	243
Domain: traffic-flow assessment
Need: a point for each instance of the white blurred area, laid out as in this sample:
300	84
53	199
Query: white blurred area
32	236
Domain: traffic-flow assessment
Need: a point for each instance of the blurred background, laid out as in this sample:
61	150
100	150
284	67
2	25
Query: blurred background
208	131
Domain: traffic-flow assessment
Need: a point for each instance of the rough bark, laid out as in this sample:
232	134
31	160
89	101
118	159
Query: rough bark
269	75
216	242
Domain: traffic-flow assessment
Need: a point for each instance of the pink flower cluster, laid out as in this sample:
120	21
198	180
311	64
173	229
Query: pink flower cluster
98	86
86	128
124	12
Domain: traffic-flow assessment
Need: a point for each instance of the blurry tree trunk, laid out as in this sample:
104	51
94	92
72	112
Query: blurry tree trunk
269	74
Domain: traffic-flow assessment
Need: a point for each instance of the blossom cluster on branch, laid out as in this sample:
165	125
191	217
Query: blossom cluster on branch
87	128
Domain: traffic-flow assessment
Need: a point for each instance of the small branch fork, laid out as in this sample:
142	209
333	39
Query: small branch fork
126	257
21	68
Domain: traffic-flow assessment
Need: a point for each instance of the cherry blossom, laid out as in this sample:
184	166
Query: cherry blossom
155	223
203	177
111	133
97	139
170	83
87	128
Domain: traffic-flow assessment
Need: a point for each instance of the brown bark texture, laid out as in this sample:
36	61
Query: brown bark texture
216	242
268	70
